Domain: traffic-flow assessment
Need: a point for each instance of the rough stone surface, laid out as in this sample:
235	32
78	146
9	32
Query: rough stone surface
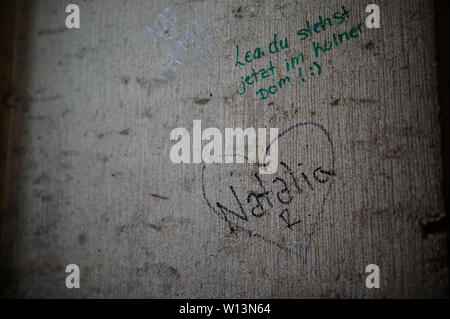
92	183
